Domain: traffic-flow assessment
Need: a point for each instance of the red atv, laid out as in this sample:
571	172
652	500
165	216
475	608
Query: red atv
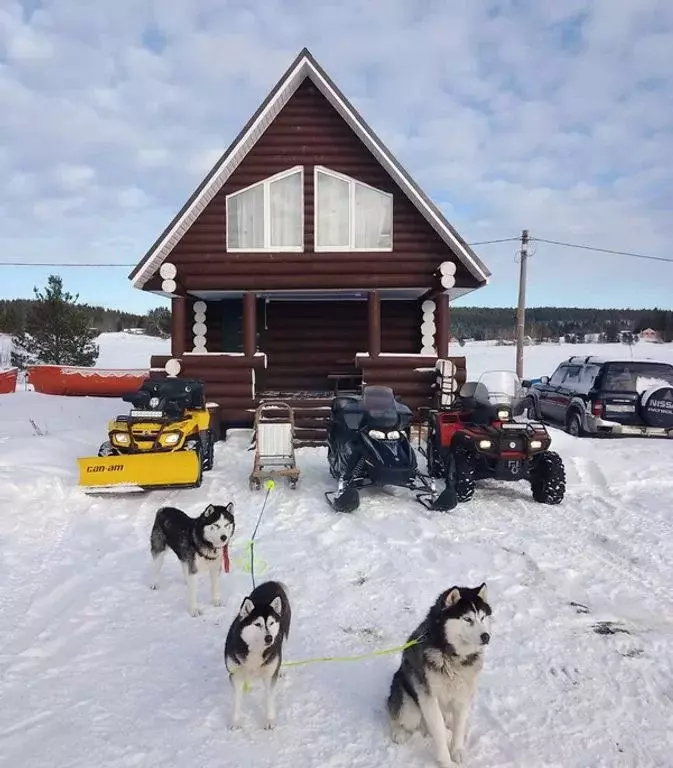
476	437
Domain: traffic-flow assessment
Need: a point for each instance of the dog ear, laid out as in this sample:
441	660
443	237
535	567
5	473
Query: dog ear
452	597
247	607
277	605
482	592
208	511
230	507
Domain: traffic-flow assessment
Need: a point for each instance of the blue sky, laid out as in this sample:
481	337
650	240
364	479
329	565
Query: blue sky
511	114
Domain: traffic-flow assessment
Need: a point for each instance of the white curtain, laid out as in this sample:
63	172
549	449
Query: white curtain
332	216
373	218
245	218
285	211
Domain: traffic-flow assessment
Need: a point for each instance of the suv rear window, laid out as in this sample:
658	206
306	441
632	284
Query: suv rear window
636	376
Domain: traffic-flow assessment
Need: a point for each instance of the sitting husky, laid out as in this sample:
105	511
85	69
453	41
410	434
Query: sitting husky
201	544
254	644
437	678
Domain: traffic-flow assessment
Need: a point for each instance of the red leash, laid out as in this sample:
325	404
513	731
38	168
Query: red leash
225	558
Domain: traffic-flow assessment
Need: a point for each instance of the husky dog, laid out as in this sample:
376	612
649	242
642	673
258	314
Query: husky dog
254	644
201	544
437	678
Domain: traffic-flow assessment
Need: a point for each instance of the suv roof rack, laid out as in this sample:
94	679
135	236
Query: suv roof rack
586	359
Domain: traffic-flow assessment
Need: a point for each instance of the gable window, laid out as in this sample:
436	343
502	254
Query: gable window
351	215
269	215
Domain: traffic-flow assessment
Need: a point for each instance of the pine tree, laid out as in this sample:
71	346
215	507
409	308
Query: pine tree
57	331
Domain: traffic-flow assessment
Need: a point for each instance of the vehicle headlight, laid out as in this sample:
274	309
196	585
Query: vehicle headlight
394	435
376	434
484	444
171	438
503	414
535	444
121	438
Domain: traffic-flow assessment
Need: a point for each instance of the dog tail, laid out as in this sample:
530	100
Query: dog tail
158	540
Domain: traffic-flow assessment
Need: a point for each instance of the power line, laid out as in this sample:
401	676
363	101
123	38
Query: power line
56	264
71	264
480	242
502	240
603	250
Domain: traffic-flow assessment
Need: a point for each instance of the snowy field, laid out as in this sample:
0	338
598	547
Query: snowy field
97	670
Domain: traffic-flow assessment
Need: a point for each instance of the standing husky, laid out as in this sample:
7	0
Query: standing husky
201	544
254	644
437	678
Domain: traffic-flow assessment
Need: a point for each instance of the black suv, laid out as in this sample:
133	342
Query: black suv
605	396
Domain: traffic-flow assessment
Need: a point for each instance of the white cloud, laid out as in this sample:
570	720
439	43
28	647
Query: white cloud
550	116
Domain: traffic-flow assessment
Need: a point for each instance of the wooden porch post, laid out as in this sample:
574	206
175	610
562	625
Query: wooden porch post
178	326
374	307
249	324
442	325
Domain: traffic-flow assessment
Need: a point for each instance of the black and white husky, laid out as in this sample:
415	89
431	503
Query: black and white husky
437	678
200	544
254	644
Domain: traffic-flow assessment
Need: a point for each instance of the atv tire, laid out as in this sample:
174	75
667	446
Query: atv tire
548	478
465	469
207	450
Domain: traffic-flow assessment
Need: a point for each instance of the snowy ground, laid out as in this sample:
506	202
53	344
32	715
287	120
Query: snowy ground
97	670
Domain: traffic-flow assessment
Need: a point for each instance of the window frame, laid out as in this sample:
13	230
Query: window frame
351	247
266	185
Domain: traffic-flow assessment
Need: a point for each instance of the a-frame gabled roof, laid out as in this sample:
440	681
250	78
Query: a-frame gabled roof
303	66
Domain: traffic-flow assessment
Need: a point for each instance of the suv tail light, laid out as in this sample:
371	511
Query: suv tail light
597	408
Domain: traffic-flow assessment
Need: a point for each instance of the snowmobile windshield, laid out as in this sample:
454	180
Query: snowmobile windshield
504	387
380	406
636	376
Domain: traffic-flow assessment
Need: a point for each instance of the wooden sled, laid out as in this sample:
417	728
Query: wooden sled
274	444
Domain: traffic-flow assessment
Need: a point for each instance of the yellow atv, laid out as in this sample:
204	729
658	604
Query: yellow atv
166	441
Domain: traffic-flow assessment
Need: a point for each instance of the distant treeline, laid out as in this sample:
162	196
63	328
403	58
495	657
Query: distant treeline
157	322
542	323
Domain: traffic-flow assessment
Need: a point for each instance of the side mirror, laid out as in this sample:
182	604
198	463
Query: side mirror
525	383
544	379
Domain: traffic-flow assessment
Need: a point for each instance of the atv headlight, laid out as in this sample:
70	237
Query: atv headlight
484	444
394	435
376	434
503	414
535	445
121	438
171	438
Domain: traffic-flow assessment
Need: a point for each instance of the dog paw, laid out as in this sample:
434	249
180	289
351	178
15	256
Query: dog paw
269	725
154	585
444	760
218	602
458	756
195	612
235	726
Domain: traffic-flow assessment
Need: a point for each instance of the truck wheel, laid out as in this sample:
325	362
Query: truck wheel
548	478
574	424
528	409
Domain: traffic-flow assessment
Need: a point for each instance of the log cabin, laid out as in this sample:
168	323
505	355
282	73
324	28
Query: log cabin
308	261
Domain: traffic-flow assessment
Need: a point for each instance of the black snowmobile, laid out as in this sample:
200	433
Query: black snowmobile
368	445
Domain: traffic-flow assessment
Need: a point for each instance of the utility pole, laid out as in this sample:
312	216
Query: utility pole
521	308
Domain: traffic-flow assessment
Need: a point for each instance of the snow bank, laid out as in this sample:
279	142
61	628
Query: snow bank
97	670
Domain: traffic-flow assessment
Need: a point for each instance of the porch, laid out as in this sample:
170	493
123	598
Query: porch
304	346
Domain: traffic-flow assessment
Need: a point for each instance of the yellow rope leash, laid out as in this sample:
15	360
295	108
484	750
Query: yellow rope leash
356	657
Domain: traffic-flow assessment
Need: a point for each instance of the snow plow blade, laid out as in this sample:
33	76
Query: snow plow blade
180	469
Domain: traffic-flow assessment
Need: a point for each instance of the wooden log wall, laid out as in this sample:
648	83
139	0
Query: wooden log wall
413	386
308	131
304	341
